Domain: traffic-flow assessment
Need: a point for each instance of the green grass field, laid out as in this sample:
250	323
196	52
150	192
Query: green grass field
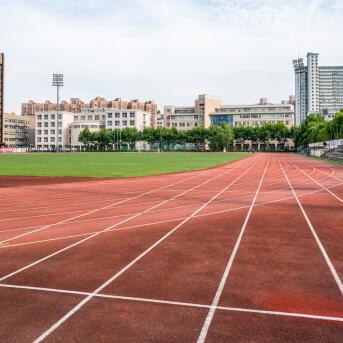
109	164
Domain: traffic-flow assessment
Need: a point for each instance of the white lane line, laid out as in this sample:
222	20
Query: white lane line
211	312
108	228
319	243
95	195
137	204
319	184
93	211
163	221
174	303
134	261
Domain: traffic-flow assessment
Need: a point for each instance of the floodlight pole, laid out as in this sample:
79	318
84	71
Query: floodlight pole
57	81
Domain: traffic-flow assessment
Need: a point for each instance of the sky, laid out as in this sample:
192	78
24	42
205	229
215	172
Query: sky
168	51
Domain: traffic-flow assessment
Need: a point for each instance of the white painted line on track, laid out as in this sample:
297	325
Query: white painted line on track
161	222
174	303
94	210
134	261
319	243
212	310
136	204
109	228
319	184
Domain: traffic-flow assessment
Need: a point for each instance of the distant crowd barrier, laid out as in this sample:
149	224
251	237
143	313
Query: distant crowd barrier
327	144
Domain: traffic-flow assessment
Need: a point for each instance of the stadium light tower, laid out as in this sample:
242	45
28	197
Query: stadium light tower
57	81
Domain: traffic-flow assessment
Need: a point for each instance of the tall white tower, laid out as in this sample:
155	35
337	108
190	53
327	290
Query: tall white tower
312	83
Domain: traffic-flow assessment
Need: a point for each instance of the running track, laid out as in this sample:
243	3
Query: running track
251	251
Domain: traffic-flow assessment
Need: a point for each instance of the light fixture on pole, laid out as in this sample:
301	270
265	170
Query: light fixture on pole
57	81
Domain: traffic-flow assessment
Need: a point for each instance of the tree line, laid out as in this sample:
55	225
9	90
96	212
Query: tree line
316	129
218	137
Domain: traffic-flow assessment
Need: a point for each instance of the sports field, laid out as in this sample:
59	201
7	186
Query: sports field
109	164
249	251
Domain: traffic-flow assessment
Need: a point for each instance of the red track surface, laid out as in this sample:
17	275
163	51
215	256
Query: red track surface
247	252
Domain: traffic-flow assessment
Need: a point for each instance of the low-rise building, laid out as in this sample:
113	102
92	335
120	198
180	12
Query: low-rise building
19	131
71	124
253	115
52	130
188	117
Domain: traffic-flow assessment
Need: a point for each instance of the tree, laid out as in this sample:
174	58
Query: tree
86	137
220	137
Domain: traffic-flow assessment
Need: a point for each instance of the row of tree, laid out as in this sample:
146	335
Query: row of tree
314	129
218	137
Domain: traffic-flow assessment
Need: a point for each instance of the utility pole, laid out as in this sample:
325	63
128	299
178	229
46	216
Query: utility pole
57	81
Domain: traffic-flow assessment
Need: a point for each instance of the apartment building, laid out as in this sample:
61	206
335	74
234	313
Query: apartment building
52	129
71	124
253	115
188	117
19	131
2	72
318	89
77	106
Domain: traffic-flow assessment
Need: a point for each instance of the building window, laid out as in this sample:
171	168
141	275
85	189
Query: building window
46	124
46	116
89	117
97	117
39	139
109	123
39	124
132	123
83	117
124	115
52	116
46	132
45	139
132	114
59	123
117	115
60	116
109	115
52	124
117	123
52	139
39	132
39	117
59	132
52	132
124	122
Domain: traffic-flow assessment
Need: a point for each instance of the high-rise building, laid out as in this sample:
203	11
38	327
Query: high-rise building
318	89
2	72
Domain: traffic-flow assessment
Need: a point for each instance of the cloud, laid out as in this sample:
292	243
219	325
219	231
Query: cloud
168	51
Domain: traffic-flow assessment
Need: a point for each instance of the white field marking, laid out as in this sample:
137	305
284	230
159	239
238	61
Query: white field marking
174	303
319	243
88	196
131	205
134	261
161	222
212	310
319	184
105	230
93	211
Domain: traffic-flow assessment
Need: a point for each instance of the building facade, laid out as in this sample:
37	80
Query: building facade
188	117
318	89
19	131
71	124
253	115
52	130
75	105
2	76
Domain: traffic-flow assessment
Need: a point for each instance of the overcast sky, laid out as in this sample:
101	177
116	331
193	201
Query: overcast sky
165	50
